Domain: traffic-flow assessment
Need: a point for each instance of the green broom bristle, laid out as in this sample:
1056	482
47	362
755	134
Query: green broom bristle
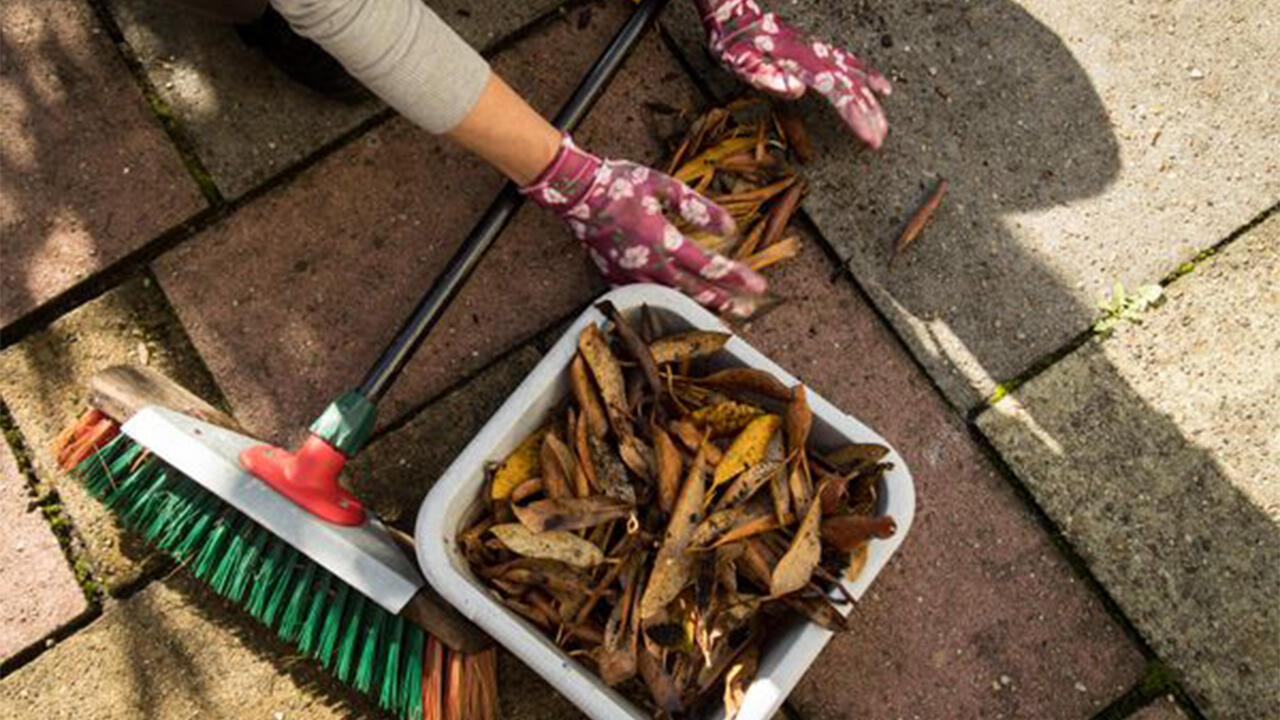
369	651
291	620
389	697
224	565
411	690
278	597
350	633
310	633
363	644
248	567
264	581
211	552
332	624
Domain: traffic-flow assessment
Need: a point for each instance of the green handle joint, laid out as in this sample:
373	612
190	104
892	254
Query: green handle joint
346	423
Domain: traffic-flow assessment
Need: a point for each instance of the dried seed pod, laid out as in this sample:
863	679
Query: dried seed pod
846	532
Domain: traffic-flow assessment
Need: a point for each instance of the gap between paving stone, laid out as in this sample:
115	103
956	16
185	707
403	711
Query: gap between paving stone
1188	544
979	591
245	119
39	594
86	176
175	650
43	382
363	232
1075	138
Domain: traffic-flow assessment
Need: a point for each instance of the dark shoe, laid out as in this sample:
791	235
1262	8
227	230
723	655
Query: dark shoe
301	59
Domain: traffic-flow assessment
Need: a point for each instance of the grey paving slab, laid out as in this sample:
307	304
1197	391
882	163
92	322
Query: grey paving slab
172	652
1156	452
248	120
341	253
43	382
86	173
1084	142
38	592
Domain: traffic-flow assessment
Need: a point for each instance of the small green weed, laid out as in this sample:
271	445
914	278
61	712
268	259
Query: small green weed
1125	306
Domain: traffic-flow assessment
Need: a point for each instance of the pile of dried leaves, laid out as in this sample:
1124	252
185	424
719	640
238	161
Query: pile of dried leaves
664	518
738	156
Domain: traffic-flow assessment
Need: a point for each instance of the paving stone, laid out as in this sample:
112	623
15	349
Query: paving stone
247	119
1163	709
38	592
43	380
341	253
394	473
1084	144
978	615
1156	453
176	650
86	174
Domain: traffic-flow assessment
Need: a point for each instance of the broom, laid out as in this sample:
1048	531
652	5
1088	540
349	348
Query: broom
306	560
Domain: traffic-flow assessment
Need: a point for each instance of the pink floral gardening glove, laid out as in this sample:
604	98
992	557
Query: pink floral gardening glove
772	56
615	208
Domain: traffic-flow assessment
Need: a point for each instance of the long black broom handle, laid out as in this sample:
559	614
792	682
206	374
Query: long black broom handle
432	305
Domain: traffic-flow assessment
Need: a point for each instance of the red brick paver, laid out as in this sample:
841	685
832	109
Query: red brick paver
289	300
86	175
38	593
978	616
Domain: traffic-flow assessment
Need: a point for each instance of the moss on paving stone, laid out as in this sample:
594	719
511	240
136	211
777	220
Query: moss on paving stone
43	381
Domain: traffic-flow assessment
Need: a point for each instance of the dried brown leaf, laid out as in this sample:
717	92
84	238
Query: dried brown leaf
687	345
551	545
796	566
748	380
570	513
585	394
556	474
608	375
671	566
669	466
661	684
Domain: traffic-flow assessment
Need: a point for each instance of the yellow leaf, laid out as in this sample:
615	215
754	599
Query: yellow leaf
725	417
748	449
523	463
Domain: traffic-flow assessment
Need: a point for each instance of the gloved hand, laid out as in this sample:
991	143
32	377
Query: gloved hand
773	56
615	208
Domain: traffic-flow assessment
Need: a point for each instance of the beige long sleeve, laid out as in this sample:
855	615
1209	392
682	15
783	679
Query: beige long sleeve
400	50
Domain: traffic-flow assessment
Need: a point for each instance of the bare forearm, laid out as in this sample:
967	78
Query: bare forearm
505	131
